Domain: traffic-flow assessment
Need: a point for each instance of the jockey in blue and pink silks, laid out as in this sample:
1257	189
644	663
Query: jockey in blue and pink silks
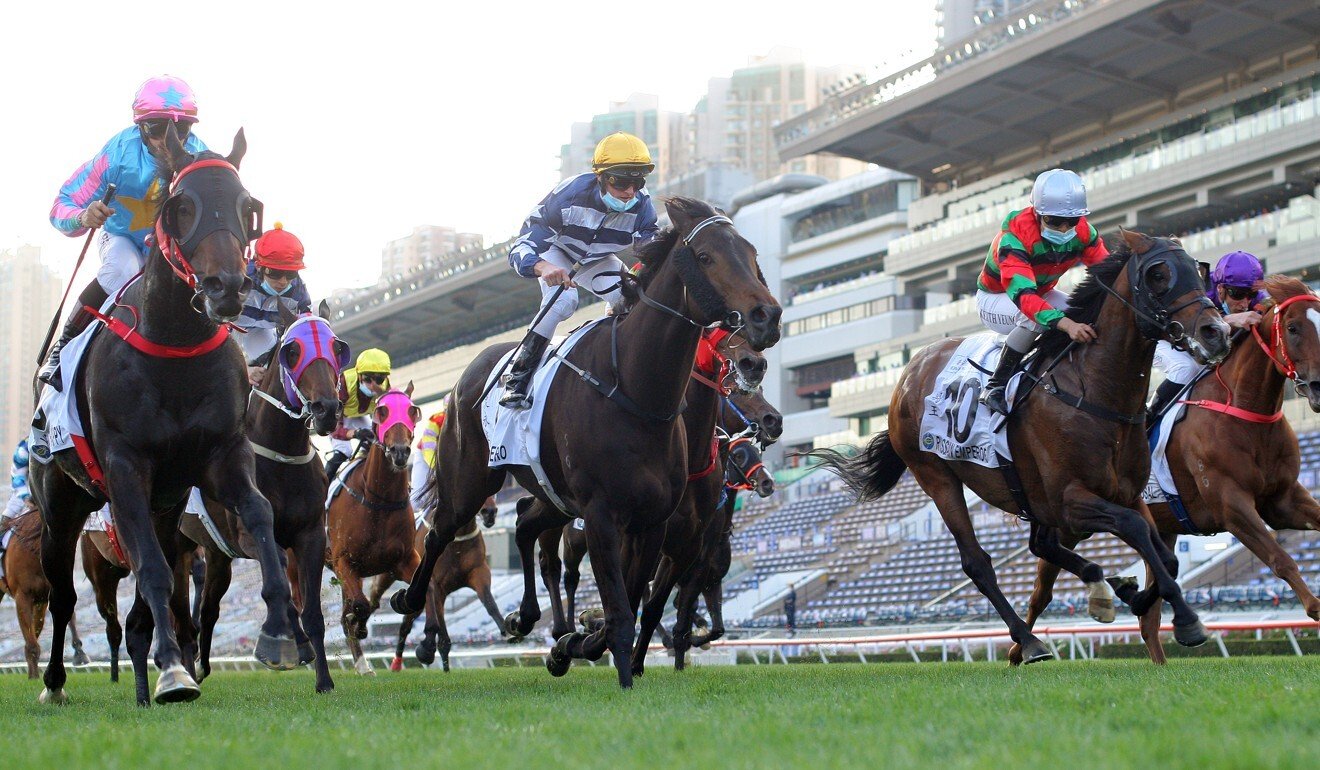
128	162
1233	290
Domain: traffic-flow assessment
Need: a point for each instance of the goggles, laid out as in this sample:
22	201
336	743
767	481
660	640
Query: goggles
625	182
1239	292
156	129
378	379
1059	223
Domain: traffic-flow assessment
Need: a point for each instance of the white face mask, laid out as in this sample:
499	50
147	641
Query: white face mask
1056	237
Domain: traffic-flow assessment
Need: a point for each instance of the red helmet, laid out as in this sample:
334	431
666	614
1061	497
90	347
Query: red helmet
279	249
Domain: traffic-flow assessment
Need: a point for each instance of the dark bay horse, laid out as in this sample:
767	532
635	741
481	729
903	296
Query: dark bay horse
298	395
370	522
617	456
1234	458
24	580
1083	462
162	399
462	565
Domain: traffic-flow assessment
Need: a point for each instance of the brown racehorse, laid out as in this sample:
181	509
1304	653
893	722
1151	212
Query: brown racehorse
371	523
1234	458
612	445
24	580
462	565
299	394
1083	460
105	570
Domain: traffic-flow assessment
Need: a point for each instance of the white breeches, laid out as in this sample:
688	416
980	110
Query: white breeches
588	277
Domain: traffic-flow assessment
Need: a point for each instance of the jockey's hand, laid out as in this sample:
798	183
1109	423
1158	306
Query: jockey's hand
1243	320
95	214
552	275
255	375
1082	333
364	434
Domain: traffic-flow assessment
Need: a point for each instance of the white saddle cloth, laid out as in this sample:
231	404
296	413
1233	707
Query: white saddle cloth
954	423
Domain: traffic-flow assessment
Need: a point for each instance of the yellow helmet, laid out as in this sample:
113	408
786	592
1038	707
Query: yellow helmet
622	149
373	360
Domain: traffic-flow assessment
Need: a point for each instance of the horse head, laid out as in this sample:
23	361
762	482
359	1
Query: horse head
205	224
310	359
488	511
745	470
753	409
1167	294
396	417
719	271
749	366
1294	334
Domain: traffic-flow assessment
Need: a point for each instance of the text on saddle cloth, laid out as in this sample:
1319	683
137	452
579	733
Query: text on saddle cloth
954	423
514	435
56	421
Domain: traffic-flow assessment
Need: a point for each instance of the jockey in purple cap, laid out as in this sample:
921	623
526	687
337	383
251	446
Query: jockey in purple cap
1233	290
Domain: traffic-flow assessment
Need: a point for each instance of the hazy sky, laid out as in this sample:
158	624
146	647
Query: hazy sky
364	123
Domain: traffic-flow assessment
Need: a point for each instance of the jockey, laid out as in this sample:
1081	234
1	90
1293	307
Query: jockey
19	492
424	458
1233	290
359	388
274	274
581	225
128	162
1037	245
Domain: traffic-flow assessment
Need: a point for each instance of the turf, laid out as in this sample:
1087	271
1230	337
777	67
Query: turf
1255	713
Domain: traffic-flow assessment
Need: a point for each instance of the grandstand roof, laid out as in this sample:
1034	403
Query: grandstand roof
1073	74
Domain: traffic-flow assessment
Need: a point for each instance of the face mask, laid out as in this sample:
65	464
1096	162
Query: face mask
1058	238
271	289
365	392
617	205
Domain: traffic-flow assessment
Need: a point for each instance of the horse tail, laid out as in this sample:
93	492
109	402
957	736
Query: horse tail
869	474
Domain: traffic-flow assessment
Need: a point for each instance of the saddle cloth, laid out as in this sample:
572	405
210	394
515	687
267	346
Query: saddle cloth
954	423
514	435
197	508
337	483
56	421
1161	487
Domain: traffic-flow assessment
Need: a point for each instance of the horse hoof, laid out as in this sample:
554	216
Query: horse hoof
175	686
592	620
1124	587
80	658
701	639
556	664
1015	654
1034	651
396	664
53	697
425	655
513	626
1100	602
399	602
1191	635
279	653
306	654
363	667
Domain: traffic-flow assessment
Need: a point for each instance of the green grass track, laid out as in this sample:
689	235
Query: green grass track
1256	713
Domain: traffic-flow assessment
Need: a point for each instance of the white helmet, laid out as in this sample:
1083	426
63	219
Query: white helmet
1059	193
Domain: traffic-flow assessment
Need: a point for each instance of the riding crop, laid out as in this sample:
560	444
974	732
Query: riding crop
55	322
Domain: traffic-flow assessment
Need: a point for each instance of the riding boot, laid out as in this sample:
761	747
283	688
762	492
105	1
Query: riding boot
332	465
92	296
995	398
1164	396
520	373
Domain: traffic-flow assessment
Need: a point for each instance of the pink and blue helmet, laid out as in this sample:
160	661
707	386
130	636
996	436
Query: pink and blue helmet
165	97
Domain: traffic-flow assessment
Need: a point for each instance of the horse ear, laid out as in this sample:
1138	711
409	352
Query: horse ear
240	149
323	310
287	316
379	414
415	414
176	157
1137	242
408	390
678	214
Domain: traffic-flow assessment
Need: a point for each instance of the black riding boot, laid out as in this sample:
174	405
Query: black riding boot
1164	396
93	296
994	398
332	465
520	373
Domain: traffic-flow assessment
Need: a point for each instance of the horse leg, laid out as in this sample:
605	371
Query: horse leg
180	607
215	583
404	628
307	562
1297	507
354	619
551	570
534	517
59	544
688	594
105	579
31	617
715	606
443	645
1046	543
479	581
426	649
572	577
605	546
1150	620
79	656
653	611
231	483
139	627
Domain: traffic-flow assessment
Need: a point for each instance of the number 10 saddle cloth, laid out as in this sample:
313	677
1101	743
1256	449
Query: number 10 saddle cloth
954	423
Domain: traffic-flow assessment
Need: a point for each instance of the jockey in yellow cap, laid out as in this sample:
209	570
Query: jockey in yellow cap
359	389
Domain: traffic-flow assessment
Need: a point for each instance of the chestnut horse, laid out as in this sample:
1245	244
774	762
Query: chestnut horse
24	580
1234	458
105	571
612	445
370	521
298	395
161	396
1083	460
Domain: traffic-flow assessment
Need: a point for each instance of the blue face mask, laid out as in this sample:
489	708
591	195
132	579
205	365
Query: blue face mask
1058	238
366	392
271	289
617	205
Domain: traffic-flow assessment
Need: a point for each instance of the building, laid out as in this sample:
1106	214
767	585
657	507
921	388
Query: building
665	134
425	244
1199	120
34	291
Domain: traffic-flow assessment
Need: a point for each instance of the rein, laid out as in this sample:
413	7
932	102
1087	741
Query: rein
1283	361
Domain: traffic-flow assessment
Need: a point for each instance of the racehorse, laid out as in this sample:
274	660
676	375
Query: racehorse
162	399
1083	460
612	444
1245	480
299	394
462	565
371	523
105	570
24	580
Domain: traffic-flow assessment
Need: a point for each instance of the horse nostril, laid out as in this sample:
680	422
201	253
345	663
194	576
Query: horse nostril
759	315
212	285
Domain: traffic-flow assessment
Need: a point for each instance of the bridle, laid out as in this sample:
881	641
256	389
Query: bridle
1154	319
1283	361
296	405
744	482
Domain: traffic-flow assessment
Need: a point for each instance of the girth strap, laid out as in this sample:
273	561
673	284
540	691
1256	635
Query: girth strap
1015	488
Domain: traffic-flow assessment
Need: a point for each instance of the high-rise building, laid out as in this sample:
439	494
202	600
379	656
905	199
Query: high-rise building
665	134
426	243
34	292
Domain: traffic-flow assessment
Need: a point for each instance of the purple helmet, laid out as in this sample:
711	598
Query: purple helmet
1238	269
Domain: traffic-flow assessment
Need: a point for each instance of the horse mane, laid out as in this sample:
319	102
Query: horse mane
1085	301
652	254
1281	287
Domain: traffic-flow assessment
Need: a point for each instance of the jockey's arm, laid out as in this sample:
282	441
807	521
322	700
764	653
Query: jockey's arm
78	206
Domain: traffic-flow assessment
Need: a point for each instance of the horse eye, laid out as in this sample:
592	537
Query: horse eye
1292	329
704	258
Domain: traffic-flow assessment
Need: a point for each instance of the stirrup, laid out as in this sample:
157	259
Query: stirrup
996	399
514	398
50	371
